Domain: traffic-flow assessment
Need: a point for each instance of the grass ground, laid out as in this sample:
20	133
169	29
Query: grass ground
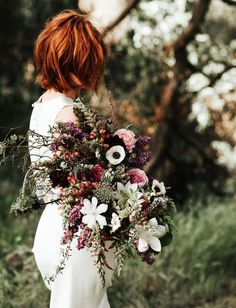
197	270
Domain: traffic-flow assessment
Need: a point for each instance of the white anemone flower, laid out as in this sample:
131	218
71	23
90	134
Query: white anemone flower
115	154
159	185
92	213
151	236
115	222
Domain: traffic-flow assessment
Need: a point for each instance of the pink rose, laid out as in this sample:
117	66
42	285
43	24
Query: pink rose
127	136
137	176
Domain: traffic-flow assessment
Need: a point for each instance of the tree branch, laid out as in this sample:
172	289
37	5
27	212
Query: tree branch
229	2
131	5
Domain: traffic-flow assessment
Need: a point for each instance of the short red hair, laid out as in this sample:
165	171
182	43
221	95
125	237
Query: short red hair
69	53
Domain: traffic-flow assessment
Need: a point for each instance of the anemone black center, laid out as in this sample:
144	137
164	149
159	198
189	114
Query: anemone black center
116	155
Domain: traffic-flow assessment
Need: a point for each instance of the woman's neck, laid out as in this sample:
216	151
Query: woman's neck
71	94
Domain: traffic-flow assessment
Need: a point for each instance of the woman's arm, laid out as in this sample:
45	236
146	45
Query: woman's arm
67	114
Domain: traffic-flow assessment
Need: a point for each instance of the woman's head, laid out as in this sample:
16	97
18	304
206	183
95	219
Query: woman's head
69	53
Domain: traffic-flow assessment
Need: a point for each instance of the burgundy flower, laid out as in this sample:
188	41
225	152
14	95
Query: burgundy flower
145	205
97	173
59	178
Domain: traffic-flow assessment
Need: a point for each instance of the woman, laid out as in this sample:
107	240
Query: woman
69	56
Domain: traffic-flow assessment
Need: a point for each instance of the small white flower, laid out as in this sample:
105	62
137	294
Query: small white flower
13	137
92	213
115	222
150	237
2	147
128	189
130	192
63	165
97	153
159	185
115	154
158	230
129	198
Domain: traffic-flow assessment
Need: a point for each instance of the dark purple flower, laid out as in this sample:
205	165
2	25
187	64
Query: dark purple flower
147	256
73	129
141	155
143	158
142	141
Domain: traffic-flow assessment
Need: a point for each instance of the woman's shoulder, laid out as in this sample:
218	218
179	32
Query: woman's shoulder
66	114
50	101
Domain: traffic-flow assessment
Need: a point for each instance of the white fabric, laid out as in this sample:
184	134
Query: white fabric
79	285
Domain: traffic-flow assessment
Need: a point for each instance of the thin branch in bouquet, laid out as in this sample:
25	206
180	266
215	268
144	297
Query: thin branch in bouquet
19	147
79	163
4	145
98	250
121	254
160	201
17	152
66	253
120	263
42	141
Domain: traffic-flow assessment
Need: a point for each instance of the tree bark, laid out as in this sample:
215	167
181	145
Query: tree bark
170	90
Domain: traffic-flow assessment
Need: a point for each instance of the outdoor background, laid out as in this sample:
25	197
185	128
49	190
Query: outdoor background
171	69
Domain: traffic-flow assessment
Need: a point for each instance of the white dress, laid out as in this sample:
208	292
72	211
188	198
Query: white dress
79	285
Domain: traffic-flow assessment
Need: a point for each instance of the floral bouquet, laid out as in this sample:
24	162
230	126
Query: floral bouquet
95	174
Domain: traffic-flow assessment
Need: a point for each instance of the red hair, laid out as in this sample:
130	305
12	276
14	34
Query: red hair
69	53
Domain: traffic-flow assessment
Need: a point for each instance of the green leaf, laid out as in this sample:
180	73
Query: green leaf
166	239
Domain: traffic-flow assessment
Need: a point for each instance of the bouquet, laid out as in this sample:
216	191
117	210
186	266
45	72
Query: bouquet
94	172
